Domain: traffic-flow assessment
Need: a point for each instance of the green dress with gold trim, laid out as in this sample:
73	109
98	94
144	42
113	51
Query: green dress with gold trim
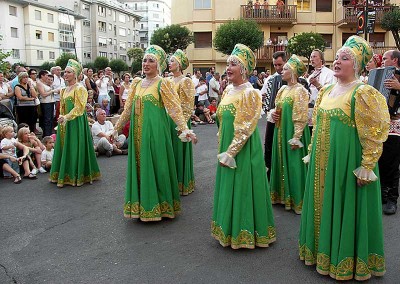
288	173
183	151
341	223
152	190
242	214
74	161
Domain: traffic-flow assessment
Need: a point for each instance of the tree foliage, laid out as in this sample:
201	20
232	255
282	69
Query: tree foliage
101	62
62	60
238	31
89	65
47	65
172	37
303	44
118	65
4	65
135	54
391	22
136	66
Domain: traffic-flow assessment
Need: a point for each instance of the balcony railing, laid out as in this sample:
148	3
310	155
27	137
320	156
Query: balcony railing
382	49
264	53
349	14
270	14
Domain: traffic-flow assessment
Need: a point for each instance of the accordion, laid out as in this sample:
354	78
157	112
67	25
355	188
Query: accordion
376	79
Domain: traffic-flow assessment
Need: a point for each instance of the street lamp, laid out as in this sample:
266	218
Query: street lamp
65	10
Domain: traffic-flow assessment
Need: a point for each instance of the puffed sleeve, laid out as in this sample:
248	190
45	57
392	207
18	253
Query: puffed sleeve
321	94
246	119
128	105
299	115
80	100
173	104
372	122
186	95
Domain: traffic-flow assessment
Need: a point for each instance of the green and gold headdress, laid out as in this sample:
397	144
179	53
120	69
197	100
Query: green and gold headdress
159	54
245	56
297	66
182	59
75	66
360	49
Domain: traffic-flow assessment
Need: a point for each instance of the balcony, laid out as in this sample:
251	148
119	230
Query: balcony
382	49
271	14
347	15
264	53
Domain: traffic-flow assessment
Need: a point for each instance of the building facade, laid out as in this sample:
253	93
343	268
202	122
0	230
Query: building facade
109	29
155	14
334	20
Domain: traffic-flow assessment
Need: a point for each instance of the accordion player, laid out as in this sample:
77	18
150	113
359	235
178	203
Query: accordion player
377	79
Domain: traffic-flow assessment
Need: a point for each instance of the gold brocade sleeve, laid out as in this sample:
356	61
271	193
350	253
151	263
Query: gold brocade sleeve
300	111
372	122
172	104
247	115
80	100
126	114
186	94
321	94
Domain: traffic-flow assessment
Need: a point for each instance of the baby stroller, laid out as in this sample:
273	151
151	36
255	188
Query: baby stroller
7	118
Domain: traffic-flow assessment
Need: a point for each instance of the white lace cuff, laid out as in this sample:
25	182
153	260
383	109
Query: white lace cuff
295	142
186	134
306	159
269	116
365	174
227	160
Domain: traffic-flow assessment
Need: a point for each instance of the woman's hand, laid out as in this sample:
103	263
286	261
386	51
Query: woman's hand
275	116
61	119
361	182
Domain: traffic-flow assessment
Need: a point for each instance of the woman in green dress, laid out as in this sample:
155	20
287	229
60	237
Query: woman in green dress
152	190
183	152
74	161
242	215
288	172
341	222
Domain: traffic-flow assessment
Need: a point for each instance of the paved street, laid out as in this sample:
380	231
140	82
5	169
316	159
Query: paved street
69	235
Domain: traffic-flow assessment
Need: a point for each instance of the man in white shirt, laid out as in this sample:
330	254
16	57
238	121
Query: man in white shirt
58	83
321	75
102	132
214	87
196	81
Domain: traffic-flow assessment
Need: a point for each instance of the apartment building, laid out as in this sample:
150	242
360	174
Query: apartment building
155	14
334	20
109	29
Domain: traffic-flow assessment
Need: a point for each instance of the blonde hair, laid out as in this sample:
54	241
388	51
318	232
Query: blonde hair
6	129
21	132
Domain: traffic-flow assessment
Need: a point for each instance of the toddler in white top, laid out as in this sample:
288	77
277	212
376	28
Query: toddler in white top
47	154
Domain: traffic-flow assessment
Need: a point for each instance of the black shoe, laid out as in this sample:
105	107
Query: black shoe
390	208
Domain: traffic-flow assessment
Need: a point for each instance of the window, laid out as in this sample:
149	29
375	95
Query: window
129	31
123	57
50	36
102	42
115	30
111	55
87	55
38	15
39	54
87	39
115	41
50	18
328	40
102	54
202	4
155	16
52	55
202	39
102	26
110	27
141	26
85	7
101	11
303	5
377	39
122	45
86	23
122	18
12	10
38	34
324	6
157	25
115	16
15	53
109	12
122	31
14	32
345	36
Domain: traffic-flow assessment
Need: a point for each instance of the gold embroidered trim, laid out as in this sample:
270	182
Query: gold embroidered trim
340	114
186	190
245	239
68	180
136	211
307	255
277	198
